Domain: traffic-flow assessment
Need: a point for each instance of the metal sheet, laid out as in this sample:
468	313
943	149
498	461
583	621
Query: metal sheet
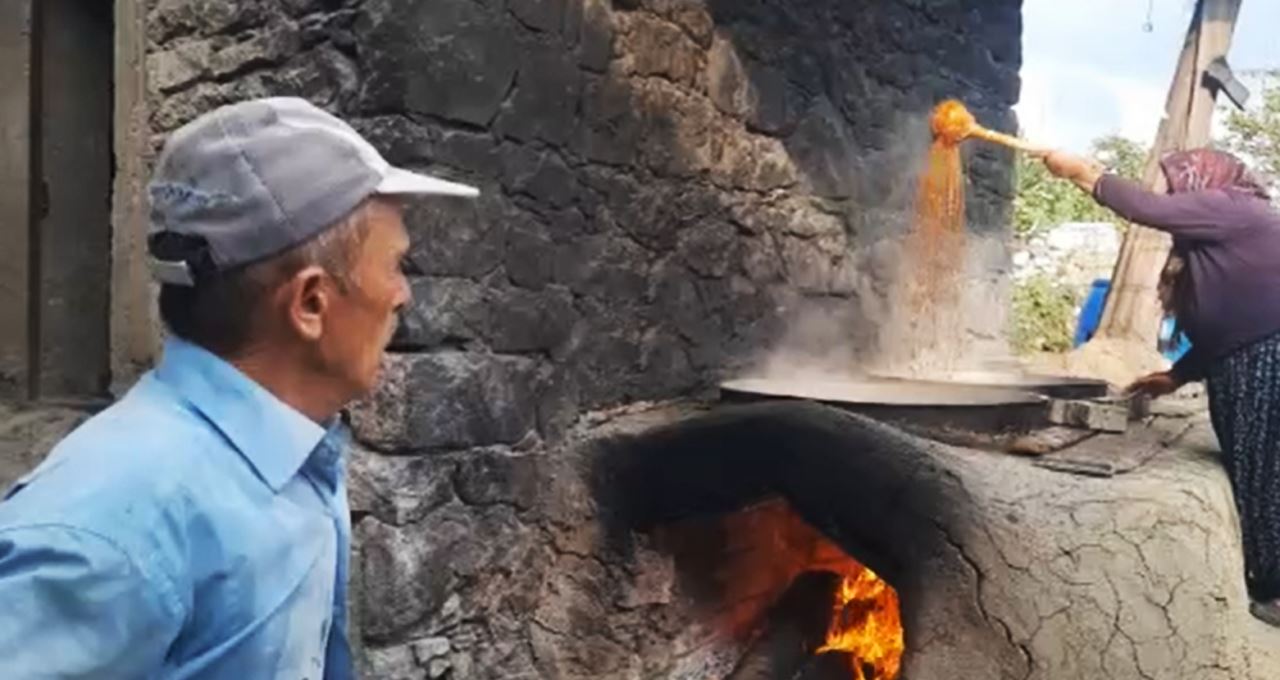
1056	387
927	408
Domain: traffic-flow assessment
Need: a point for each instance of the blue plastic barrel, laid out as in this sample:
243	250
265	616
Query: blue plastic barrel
1091	313
1172	343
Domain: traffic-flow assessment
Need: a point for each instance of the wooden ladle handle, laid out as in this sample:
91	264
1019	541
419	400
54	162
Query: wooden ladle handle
1009	141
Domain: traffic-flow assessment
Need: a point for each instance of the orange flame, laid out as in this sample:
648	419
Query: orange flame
868	625
771	546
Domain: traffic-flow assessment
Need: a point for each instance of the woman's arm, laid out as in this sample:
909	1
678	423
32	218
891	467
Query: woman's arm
1082	172
1194	216
1192	367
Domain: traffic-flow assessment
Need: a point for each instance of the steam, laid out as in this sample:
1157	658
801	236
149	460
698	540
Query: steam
887	328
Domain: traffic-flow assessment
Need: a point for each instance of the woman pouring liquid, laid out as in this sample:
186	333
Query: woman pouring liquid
1223	286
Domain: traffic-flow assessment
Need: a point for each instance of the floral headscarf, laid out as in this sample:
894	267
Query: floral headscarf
1206	169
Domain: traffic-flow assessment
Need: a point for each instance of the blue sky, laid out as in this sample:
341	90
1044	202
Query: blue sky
1089	69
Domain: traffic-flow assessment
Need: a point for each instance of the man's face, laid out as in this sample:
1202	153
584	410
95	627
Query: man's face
362	319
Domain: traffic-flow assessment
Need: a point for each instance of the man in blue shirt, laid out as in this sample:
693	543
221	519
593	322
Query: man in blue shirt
199	527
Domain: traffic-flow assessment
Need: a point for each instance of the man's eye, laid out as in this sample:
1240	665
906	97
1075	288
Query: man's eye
409	267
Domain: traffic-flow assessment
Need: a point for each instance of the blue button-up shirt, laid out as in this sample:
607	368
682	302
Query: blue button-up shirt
196	529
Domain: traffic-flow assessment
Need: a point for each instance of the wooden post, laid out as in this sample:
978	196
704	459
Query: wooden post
1132	312
135	332
15	195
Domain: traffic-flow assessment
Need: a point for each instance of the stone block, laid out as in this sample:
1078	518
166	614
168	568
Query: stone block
393	663
545	102
540	15
653	214
458	237
727	81
680	130
529	258
1090	415
709	249
181	65
692	16
760	95
612	128
760	259
595	48
433	654
824	152
477	153
558	398
443	311
170	18
665	365
404	141
519	320
752	162
649	46
450	58
607	267
400	139
265	48
543	176
496	477
449	400
323	75
401	582
605	353
398	491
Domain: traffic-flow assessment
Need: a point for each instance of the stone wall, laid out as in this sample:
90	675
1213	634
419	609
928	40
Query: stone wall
668	186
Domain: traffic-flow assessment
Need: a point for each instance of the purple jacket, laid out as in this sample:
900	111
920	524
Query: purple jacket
1231	243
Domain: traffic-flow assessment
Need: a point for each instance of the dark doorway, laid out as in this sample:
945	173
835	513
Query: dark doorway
71	166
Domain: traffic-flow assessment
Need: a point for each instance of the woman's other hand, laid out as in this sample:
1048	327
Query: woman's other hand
1154	385
1082	171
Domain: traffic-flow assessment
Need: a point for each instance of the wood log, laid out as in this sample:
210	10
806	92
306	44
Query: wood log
795	628
832	666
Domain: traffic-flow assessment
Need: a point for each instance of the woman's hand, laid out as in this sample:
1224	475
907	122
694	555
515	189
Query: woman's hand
1082	171
1154	385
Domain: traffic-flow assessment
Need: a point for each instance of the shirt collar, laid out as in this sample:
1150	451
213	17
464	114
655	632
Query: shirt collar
274	437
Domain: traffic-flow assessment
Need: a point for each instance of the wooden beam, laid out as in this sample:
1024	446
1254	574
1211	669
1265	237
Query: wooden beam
1132	312
135	332
15	194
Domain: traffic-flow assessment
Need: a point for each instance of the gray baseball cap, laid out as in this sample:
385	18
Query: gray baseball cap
252	180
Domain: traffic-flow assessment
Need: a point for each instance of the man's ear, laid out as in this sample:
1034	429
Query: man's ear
307	300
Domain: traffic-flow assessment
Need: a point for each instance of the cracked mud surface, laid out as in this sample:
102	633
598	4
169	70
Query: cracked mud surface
1007	570
1136	576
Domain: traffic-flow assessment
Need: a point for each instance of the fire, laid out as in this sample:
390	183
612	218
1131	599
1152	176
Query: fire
867	624
772	547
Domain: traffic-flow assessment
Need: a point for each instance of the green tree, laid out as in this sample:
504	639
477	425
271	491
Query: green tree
1254	134
1121	155
1043	201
